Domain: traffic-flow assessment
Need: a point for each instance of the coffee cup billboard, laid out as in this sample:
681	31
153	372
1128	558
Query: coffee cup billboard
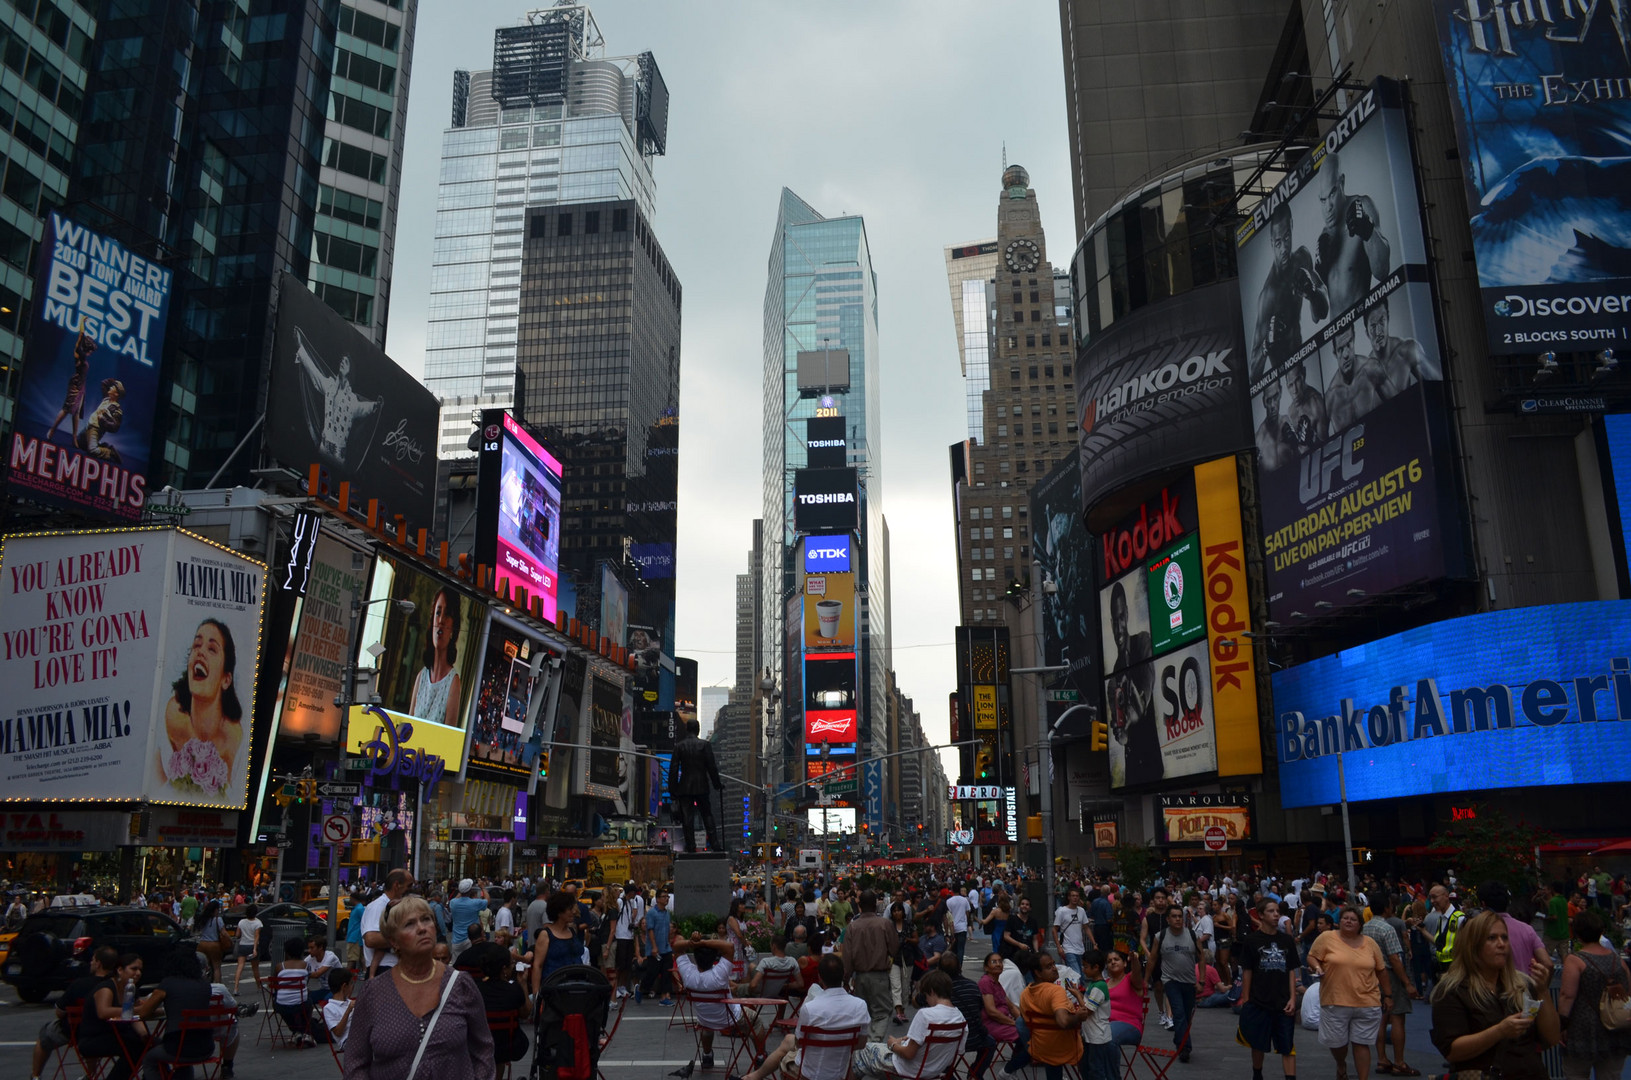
829	611
129	661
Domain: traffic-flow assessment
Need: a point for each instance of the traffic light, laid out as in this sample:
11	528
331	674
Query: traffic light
1101	736
982	762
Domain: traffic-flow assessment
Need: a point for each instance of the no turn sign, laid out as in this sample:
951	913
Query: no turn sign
1216	839
337	829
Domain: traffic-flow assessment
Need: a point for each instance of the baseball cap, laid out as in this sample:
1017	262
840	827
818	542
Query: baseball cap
467	885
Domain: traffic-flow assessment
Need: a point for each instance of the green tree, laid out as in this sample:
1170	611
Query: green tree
1489	846
1135	861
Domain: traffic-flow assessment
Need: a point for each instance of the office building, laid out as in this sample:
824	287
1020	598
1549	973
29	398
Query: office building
354	234
970	271
1382	139
46	67
821	296
1027	405
1142	88
554	123
202	143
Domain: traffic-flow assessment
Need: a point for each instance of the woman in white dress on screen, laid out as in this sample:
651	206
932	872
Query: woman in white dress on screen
436	693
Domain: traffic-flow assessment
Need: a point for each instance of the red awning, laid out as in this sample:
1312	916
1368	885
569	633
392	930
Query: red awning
1562	847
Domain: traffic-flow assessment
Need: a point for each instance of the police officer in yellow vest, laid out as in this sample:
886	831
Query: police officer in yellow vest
1441	925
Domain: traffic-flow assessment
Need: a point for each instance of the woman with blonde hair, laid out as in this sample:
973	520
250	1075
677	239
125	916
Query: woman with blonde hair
1488	1016
419	1018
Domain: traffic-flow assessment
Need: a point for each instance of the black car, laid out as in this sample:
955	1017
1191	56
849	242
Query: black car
280	922
54	947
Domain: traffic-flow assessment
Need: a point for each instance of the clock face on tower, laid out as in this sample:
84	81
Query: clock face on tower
1022	256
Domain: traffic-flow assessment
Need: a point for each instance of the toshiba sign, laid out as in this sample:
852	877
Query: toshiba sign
825	500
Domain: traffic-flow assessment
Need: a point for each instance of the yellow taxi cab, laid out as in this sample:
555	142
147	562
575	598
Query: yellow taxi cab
319	907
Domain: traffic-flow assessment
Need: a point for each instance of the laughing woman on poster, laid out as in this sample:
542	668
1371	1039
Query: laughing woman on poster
436	693
203	719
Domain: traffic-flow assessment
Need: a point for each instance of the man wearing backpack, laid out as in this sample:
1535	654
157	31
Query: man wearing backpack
1174	954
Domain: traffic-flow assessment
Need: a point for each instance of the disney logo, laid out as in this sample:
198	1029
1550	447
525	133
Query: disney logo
387	754
406	446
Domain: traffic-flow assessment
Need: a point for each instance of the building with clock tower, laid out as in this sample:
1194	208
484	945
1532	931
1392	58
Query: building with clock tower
1028	410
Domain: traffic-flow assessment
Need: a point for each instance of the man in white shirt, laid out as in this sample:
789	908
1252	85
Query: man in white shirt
706	972
1066	930
631	915
504	917
376	951
828	1007
876	1061
958	906
320	960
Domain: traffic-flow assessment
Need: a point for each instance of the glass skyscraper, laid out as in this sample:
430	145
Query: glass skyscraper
354	235
822	294
970	269
44	66
554	122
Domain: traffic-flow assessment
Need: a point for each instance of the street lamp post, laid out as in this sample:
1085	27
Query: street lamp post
767	687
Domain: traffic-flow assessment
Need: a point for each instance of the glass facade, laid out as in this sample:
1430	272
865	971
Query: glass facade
599	347
44	68
1175	235
970	269
497	161
822	294
202	142
353	237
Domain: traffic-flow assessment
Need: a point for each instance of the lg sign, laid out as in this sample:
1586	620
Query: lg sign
826	554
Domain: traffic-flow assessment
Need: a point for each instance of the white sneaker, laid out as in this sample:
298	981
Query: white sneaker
1166	1022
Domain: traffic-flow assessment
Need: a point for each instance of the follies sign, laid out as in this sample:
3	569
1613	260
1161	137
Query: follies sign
1346	380
1542	107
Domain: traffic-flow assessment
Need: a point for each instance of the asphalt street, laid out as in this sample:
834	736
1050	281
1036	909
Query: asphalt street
645	1047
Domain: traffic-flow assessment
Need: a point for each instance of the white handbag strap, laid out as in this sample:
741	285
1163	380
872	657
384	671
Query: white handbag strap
424	1040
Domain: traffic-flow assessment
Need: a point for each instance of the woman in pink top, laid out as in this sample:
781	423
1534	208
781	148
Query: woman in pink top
1210	992
1125	977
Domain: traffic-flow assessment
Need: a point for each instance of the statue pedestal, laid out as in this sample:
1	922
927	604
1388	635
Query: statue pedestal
702	883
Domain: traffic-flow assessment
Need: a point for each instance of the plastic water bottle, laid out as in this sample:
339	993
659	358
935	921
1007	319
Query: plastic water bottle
130	999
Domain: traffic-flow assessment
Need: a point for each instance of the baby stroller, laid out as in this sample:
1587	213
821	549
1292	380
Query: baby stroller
572	1010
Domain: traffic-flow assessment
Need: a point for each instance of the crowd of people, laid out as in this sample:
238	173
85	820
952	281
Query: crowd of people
921	970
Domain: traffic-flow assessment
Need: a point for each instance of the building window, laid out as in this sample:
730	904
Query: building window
1017	299
1002	431
1030	341
1047	339
1065	370
1008	552
1033	371
620	221
591	222
1053	427
1036	316
1034	298
977	575
979	468
1008	532
1013	373
1008	513
987	513
563	225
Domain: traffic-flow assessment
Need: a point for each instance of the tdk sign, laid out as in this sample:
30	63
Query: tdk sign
826	554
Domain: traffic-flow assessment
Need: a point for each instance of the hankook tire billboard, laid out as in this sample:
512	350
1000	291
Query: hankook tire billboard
1161	388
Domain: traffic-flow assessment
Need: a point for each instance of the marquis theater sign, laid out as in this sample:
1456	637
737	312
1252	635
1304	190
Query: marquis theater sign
1187	817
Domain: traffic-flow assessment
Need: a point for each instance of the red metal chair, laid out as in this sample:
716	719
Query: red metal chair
281	1031
504	1025
732	1033
939	1035
211	1024
849	1039
682	1016
94	1067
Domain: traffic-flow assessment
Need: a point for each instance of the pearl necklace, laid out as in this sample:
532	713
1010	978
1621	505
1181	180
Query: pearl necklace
409	978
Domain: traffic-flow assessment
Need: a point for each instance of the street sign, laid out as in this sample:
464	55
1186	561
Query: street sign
1064	695
335	789
336	829
1216	839
358	764
283	841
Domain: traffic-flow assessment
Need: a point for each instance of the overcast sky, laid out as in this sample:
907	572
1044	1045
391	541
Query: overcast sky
895	110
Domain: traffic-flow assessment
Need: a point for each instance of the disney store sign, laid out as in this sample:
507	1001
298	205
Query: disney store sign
407	746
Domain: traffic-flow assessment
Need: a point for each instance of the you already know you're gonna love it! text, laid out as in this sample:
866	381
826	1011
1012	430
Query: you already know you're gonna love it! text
129	661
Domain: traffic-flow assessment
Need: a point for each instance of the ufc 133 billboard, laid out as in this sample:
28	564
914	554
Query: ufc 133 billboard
1346	379
1541	108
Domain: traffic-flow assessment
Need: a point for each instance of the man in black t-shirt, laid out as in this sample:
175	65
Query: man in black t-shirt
1155	920
1018	933
1268	1011
54	1035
